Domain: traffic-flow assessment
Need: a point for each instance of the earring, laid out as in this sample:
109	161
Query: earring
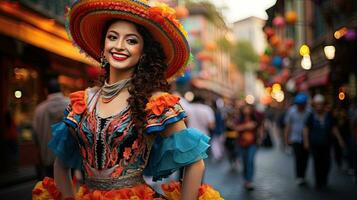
103	61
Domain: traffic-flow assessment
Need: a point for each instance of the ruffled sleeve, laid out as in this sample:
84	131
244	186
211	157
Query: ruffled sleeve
163	109
63	143
180	149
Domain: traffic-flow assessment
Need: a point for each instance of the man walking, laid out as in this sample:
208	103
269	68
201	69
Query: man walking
294	125
47	113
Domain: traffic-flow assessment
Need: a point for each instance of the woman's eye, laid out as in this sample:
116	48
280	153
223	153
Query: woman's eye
111	37
132	41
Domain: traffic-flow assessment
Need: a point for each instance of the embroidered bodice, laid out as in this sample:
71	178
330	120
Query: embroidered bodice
112	153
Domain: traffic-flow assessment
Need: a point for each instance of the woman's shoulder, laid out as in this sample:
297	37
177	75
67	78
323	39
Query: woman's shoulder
161	100
80	100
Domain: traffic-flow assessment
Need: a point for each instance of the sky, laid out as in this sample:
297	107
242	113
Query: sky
240	9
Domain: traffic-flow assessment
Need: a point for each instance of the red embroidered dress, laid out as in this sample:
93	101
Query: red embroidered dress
113	155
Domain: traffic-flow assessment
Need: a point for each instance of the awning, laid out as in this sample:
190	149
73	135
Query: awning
27	26
212	86
318	77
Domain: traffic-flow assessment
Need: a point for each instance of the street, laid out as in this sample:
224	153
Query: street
274	180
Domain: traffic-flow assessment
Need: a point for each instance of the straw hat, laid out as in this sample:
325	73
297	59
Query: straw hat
86	20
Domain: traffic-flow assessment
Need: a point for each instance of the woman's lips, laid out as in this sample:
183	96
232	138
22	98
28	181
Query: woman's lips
119	56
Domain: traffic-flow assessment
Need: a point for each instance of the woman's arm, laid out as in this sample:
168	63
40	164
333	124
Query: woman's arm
192	180
63	181
193	173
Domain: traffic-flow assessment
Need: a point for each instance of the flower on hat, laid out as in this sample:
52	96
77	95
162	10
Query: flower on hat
159	11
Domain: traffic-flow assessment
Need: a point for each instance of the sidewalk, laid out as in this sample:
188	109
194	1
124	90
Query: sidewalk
274	180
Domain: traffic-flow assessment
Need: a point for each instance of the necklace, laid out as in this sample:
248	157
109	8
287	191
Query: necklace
110	91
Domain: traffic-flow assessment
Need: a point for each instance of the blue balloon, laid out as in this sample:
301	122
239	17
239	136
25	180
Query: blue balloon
277	61
184	79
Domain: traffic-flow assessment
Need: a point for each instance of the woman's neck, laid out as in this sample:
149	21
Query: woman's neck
116	75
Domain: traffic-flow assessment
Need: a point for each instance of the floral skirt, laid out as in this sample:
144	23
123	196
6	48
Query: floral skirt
47	190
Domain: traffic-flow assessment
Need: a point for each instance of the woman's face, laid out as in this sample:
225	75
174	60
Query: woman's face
123	45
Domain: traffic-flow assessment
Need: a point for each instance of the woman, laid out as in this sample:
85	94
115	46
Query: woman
247	140
129	126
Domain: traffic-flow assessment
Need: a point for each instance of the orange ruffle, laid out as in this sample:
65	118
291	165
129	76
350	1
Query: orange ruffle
206	192
78	102
157	104
45	190
135	193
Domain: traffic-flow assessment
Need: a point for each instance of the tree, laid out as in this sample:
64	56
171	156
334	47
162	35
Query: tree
244	56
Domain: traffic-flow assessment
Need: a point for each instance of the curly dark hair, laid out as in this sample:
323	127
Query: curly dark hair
148	77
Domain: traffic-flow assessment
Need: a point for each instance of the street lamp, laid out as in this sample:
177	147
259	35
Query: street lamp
329	52
306	62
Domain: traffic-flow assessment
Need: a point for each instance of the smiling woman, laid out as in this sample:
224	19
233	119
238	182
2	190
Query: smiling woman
123	48
130	125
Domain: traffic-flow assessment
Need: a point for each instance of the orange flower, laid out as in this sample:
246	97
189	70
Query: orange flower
46	189
172	190
117	172
135	144
127	153
157	104
78	102
206	192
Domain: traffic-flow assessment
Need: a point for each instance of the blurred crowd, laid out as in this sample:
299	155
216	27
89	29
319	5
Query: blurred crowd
307	127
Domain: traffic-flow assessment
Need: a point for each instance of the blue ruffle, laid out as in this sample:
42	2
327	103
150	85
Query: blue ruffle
161	127
64	146
168	154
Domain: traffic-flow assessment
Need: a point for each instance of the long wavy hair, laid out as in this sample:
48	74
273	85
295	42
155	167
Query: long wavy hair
148	76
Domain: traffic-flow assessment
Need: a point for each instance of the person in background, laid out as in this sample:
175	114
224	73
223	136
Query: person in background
217	133
47	113
201	116
318	132
231	119
248	137
343	124
293	133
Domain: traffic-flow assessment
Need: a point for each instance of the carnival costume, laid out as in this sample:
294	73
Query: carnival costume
113	156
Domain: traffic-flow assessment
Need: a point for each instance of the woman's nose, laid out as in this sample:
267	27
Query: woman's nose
120	44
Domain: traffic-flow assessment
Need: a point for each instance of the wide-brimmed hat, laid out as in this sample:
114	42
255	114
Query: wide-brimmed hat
86	20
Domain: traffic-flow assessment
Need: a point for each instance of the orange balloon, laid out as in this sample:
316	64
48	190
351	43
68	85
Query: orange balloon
265	58
291	17
275	41
181	12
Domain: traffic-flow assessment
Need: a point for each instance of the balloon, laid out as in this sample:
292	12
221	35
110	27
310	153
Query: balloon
289	43
277	61
268	51
184	79
351	35
291	17
265	58
269	31
278	21
275	41
286	62
211	46
181	12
